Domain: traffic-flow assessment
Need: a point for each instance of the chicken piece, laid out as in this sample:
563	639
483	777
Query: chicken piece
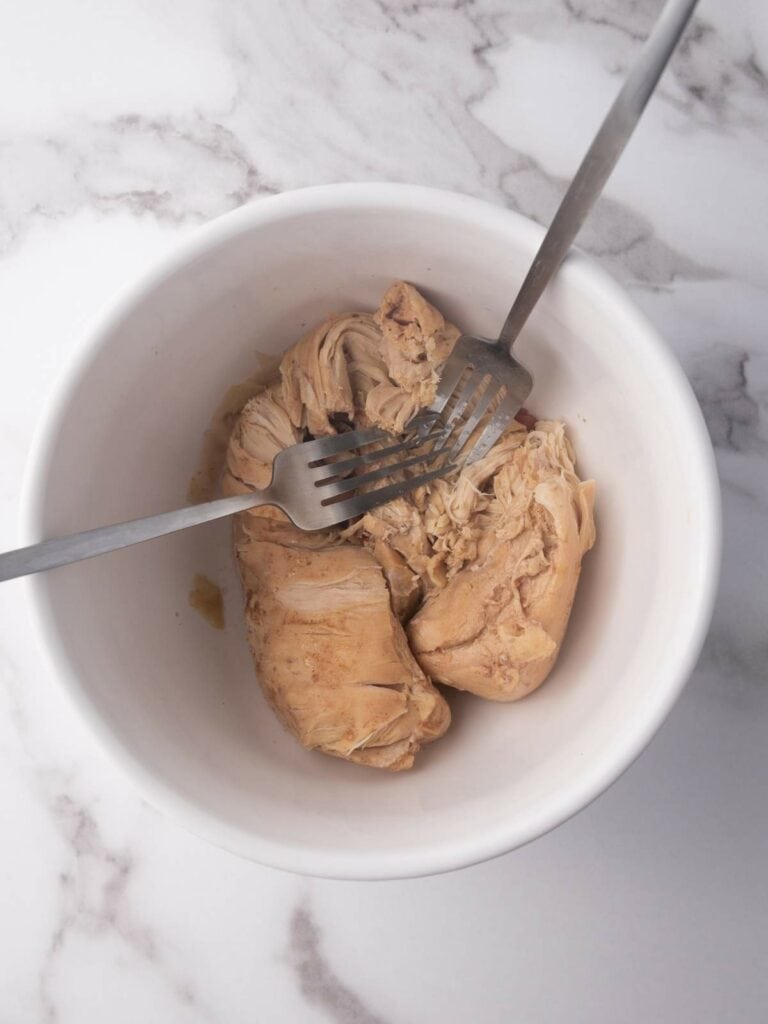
365	700
263	429
416	342
497	626
315	375
404	585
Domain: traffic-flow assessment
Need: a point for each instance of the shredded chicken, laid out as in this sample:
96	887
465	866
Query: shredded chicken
468	581
512	554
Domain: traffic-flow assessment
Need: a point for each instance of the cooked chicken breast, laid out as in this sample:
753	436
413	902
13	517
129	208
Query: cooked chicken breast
496	626
480	570
332	657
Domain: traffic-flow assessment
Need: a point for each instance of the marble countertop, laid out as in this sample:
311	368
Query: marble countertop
122	126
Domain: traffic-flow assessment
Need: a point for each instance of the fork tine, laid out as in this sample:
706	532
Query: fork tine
422	418
323	447
352	507
339	468
468	391
354	483
450	376
498	423
472	421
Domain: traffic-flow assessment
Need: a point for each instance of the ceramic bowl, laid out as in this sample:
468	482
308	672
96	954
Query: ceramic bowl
176	702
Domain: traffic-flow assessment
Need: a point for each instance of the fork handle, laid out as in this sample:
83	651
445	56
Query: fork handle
78	546
599	161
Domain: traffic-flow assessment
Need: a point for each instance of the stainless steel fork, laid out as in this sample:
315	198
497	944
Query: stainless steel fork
482	375
317	484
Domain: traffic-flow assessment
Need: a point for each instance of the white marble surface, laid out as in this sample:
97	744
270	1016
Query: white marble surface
122	125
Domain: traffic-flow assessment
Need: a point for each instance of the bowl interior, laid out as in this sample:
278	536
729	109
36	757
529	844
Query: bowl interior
178	702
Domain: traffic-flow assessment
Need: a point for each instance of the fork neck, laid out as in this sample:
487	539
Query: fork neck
534	284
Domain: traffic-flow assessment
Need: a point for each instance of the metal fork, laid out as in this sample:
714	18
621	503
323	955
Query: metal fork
311	483
482	376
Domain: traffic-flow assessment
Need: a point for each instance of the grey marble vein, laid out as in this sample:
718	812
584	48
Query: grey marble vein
719	74
631	19
174	169
319	983
720	378
93	902
623	241
738	669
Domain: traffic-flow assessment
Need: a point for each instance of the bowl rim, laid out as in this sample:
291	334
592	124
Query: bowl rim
463	850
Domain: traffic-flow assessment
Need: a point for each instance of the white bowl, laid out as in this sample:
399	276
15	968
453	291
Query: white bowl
176	703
